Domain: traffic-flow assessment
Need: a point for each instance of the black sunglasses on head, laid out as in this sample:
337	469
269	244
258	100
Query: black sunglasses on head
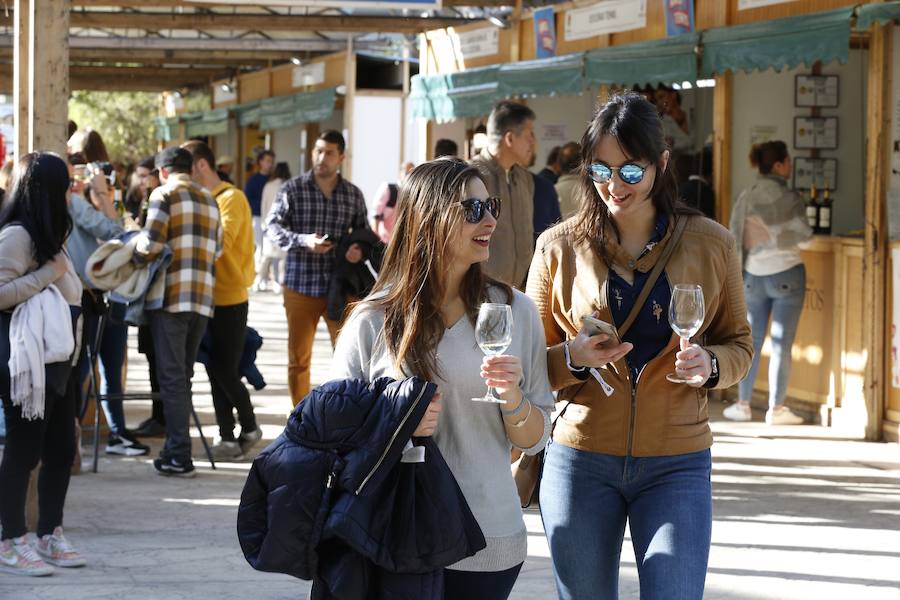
474	208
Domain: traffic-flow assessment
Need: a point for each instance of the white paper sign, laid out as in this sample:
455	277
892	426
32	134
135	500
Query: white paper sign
312	74
224	95
611	16
478	42
748	4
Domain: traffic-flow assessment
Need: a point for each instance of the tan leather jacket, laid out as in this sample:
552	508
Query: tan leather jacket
513	240
651	417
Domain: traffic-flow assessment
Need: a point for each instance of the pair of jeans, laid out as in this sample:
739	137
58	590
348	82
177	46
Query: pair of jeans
303	314
477	585
50	440
176	339
111	348
586	499
780	296
227	332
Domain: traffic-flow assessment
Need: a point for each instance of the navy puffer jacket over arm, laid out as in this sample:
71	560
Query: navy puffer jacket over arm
331	501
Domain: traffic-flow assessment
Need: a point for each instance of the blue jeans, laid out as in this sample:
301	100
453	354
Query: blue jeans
112	350
781	297
586	498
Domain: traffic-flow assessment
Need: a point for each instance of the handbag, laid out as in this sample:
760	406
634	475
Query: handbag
528	469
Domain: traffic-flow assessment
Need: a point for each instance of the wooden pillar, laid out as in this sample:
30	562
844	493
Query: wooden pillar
21	56
722	124
48	79
349	100
875	272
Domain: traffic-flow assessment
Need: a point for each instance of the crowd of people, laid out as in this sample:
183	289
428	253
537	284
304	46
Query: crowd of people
602	232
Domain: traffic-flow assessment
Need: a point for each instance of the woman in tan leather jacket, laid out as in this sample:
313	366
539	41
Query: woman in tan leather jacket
630	445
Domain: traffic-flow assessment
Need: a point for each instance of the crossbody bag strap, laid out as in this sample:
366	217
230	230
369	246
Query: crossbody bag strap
654	275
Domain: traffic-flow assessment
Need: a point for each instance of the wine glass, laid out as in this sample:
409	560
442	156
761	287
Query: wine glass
493	332
686	314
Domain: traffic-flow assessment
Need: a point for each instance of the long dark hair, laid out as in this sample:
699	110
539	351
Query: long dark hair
413	278
281	171
38	203
636	126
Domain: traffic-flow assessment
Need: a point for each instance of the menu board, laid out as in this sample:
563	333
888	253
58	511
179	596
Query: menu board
817	90
808	171
815	133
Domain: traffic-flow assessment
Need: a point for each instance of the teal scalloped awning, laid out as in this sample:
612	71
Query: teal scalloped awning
286	111
247	114
543	77
658	61
882	13
213	122
780	43
166	128
451	96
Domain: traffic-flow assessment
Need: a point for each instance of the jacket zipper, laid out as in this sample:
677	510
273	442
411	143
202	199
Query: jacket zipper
633	414
391	441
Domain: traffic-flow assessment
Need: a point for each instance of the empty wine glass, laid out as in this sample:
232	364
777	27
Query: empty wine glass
493	332
686	314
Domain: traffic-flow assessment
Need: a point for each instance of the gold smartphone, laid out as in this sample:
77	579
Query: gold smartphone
594	326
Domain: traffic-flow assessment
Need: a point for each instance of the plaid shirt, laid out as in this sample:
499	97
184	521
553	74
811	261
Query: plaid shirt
301	210
185	217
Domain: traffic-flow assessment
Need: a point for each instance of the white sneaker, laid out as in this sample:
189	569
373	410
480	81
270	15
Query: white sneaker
17	556
57	550
739	411
227	450
784	416
276	287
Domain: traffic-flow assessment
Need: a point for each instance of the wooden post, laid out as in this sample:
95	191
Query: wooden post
48	81
20	77
722	123
349	100
878	119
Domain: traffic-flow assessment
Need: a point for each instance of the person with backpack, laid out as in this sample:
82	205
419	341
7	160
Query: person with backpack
386	205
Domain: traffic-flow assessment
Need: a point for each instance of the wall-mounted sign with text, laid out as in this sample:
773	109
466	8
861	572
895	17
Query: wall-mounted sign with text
311	74
611	16
477	43
748	4
224	94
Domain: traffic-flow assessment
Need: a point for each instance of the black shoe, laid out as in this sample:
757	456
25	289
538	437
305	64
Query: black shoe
125	444
150	428
174	468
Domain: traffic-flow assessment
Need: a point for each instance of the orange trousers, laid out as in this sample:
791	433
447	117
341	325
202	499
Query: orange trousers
303	314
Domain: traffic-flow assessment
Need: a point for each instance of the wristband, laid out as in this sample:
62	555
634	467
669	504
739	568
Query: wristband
514	411
527	416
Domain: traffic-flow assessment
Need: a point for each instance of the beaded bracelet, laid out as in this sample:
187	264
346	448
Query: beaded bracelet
528	416
516	410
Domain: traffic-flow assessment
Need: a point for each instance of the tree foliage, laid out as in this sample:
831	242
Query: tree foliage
125	121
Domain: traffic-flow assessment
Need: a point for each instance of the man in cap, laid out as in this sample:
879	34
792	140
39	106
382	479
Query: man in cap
184	217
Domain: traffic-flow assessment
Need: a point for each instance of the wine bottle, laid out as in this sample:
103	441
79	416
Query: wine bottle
824	220
812	209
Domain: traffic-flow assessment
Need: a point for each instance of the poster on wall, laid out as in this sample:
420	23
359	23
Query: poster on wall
610	16
477	43
760	134
545	32
679	16
816	133
816	90
819	171
312	74
748	4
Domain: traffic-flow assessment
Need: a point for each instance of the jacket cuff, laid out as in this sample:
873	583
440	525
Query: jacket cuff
560	375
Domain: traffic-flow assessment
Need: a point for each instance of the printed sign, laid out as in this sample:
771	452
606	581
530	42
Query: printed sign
748	4
611	16
545	32
311	74
679	16
816	90
815	132
478	42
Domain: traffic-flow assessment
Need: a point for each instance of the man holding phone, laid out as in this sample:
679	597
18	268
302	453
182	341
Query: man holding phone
310	214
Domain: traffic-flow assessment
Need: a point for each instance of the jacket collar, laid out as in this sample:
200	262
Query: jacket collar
651	253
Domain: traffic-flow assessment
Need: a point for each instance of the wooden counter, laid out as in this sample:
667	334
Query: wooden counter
828	357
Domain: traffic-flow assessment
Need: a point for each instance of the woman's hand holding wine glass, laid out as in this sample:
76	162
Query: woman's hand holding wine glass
493	333
687	310
503	373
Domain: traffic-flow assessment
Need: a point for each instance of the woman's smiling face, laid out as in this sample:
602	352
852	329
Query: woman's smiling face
471	241
624	200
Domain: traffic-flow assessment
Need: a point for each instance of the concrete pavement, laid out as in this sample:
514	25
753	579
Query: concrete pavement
799	512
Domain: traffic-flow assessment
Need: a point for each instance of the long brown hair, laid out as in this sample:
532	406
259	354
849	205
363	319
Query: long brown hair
413	278
636	126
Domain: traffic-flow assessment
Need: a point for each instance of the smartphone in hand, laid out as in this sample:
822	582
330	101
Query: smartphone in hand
594	326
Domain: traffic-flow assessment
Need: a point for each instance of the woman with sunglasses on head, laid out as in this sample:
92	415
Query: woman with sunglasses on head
420	320
40	427
631	446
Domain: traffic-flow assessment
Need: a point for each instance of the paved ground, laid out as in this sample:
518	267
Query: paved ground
799	513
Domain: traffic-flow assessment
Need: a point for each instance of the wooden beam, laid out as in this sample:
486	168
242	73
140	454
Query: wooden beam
224	57
244	22
723	108
185	3
875	329
132	78
20	78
